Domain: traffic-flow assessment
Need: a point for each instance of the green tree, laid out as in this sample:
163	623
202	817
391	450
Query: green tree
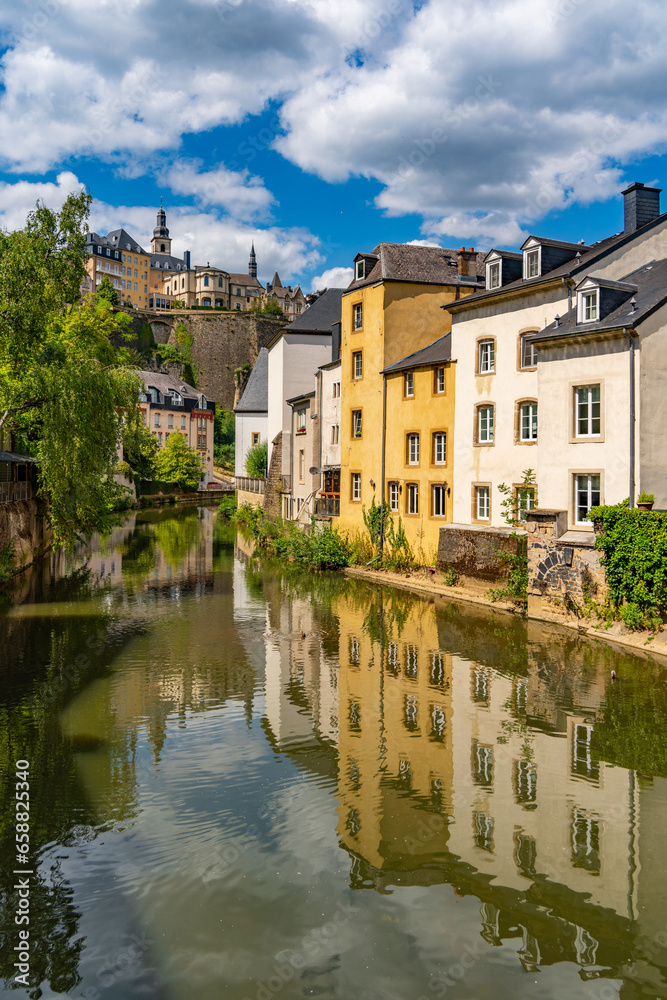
178	463
181	354
65	378
139	449
269	308
224	434
105	290
256	459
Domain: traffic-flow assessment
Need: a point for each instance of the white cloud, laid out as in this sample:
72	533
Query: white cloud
17	200
333	277
238	192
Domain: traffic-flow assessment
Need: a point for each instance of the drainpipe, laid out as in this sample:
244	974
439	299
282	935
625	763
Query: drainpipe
632	414
384	423
568	283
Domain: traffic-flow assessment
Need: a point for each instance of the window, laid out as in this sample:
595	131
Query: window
413	498
156	420
482	764
410	713
587	407
302	465
586	841
485	424
356	423
358	316
583	763
411	661
438	497
440	448
413	449
360	270
409	386
336	390
586	495
170	420
482	503
531	263
335	433
528	351
483	831
182	423
206	280
524	500
136	286
356	485
588	306
486	362
220	284
493	274
301	421
357	364
254	437
439	381
176	398
528	422
393	496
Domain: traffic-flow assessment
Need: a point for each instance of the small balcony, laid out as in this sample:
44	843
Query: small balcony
327	505
9	492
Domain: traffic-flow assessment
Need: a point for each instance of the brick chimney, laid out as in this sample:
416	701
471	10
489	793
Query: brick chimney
467	260
641	205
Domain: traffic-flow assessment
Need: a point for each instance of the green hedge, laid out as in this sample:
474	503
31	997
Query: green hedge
634	555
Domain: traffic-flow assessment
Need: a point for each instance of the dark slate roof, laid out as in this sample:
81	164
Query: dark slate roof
650	282
561	244
12	456
276	282
505	254
166	261
243	279
588	257
320	317
621	286
164	383
436	353
427	265
300	398
255	398
120	238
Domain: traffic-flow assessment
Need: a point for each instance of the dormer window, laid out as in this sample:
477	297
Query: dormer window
493	278
531	263
588	306
360	270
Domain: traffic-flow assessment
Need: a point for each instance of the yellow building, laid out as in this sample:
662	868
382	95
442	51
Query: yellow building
124	261
395	306
419	436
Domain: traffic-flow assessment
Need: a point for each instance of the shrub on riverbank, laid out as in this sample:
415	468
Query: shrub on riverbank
634	547
324	549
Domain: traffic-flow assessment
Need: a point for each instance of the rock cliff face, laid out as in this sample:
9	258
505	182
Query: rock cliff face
23	522
223	342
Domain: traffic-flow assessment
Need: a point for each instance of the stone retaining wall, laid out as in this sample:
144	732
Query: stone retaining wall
563	566
24	522
474	551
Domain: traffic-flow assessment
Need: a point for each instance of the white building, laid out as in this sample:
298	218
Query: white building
251	412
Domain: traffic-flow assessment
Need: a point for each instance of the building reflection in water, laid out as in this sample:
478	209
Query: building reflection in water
466	755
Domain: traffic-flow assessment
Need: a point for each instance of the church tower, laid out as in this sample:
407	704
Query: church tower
161	242
252	263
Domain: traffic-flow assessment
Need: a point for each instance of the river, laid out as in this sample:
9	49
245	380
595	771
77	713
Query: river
249	783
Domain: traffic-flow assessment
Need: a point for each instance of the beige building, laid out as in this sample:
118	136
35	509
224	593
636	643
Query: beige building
171	406
124	261
505	374
292	301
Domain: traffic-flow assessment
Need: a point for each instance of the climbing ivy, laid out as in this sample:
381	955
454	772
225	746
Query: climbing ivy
634	555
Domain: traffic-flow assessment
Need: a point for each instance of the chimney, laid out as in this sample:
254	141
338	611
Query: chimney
186	258
467	260
642	205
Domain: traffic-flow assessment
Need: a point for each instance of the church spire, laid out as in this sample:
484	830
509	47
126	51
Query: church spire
252	263
161	242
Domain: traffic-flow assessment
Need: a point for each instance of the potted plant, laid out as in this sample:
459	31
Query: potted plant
645	501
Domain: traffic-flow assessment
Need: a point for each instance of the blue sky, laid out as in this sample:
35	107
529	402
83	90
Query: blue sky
322	127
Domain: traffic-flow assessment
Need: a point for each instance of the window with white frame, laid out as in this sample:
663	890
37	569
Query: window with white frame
528	351
413	449
485	421
493	274
440	379
358	314
531	263
588	302
409	384
156	420
524	500
182	423
528	422
336	390
357	364
413	498
360	270
482	503
355	480
301	421
393	496
356	423
438	501
170	420
586	495
440	448
486	362
587	410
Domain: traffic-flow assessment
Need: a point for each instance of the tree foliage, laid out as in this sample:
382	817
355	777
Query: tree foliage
106	291
177	463
139	449
65	378
256	459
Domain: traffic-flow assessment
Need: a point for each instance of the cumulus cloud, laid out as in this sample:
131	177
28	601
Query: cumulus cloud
17	200
242	195
333	277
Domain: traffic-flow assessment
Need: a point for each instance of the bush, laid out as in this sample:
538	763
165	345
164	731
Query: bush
321	550
177	463
256	459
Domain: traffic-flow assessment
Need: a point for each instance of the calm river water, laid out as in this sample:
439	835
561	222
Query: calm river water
249	783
